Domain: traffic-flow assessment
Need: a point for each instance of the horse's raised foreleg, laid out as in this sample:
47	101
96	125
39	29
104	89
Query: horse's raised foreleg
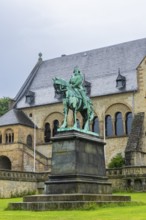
65	110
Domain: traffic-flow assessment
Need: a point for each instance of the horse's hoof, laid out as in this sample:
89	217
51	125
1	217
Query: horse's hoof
63	126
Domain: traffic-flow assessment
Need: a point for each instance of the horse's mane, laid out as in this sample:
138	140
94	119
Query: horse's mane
65	83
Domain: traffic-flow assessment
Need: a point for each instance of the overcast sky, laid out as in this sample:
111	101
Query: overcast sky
56	27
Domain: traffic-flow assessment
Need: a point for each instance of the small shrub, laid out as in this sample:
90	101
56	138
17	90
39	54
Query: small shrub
117	161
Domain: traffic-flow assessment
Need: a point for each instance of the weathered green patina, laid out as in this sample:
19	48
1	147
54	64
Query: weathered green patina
74	98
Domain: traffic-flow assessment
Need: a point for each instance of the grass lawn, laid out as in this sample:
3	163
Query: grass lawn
130	212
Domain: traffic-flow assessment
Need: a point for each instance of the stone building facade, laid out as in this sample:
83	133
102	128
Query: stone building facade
117	79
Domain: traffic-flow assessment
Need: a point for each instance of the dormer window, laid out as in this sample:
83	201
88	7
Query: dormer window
120	81
30	97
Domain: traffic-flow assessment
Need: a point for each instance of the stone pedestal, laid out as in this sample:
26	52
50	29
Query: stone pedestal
78	164
78	176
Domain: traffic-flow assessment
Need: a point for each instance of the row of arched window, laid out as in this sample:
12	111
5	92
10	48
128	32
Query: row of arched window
118	126
9	136
113	126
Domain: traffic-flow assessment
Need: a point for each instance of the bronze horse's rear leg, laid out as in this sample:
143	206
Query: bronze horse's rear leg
85	120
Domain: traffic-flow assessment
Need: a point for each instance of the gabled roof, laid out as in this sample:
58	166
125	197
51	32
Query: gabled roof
100	67
25	87
15	117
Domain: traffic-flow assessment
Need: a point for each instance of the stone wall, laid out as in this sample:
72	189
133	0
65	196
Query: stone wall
128	178
15	183
10	188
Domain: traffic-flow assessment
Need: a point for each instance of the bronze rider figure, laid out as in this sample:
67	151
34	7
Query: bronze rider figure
76	81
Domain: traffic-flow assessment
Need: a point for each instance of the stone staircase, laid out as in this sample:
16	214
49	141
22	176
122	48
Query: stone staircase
42	162
66	201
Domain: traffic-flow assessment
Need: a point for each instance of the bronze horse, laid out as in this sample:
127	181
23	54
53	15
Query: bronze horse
73	100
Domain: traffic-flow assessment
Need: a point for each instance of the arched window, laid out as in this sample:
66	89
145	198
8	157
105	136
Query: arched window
128	122
78	123
9	136
119	124
5	163
55	126
29	141
108	126
95	125
0	137
47	132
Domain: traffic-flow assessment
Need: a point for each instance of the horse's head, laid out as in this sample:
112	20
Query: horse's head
60	85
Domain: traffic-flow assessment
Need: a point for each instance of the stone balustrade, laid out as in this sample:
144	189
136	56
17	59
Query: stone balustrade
114	172
23	176
43	176
127	171
134	171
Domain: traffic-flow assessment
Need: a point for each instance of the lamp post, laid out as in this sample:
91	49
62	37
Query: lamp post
34	144
34	148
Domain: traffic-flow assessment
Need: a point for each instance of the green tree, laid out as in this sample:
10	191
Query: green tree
117	161
4	105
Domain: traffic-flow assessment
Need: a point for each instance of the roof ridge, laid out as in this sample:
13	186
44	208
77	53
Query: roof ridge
100	48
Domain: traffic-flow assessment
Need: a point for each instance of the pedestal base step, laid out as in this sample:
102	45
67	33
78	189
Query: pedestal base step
60	202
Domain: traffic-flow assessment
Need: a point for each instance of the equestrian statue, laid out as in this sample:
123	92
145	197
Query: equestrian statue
75	98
